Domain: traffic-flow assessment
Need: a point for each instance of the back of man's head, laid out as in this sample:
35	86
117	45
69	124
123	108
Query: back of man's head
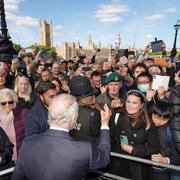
62	110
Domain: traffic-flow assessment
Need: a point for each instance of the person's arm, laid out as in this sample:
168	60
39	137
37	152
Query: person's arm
7	148
100	155
19	171
128	80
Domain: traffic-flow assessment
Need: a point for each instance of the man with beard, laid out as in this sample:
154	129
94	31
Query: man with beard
36	120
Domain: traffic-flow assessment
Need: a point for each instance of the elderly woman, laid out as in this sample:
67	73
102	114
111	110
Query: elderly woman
134	135
12	118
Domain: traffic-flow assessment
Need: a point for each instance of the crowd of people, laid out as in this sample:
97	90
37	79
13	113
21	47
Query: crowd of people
103	106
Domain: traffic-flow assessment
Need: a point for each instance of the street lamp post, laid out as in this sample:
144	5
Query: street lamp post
6	45
174	51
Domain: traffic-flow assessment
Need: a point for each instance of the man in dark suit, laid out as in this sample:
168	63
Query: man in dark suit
54	155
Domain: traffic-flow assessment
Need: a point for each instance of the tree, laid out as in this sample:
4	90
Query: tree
50	50
17	47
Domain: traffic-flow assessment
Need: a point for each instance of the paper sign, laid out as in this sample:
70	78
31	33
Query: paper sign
159	80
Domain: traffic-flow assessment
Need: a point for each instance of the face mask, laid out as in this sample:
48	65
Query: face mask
143	87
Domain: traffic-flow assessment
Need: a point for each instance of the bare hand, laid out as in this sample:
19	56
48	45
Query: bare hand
103	89
177	78
123	71
105	115
159	158
116	103
14	66
21	52
149	94
161	92
127	148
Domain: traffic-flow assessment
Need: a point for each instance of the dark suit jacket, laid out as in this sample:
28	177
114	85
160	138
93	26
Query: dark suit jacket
54	155
36	119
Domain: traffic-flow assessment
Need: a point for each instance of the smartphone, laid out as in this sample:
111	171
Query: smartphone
28	50
124	139
15	56
86	69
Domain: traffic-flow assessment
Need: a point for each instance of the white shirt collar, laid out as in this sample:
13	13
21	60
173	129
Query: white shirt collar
58	128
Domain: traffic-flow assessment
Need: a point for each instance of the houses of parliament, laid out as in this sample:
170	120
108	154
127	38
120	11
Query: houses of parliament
68	50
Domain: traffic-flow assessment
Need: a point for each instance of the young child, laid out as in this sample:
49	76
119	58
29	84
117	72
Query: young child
161	115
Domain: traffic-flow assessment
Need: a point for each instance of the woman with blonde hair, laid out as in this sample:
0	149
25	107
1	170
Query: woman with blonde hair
23	89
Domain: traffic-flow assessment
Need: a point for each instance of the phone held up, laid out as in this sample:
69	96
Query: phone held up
124	139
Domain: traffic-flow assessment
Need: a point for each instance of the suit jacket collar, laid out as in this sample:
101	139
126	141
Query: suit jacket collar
58	133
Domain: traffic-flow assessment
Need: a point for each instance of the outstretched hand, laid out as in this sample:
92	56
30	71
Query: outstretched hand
105	115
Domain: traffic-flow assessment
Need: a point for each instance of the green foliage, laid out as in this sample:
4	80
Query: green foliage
159	53
50	50
17	47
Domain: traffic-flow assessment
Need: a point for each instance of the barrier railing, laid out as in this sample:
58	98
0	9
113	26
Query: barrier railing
112	176
146	161
6	171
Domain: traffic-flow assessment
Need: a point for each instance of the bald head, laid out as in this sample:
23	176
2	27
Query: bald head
63	109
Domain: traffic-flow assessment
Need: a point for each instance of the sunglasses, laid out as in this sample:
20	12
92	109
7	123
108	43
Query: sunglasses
8	102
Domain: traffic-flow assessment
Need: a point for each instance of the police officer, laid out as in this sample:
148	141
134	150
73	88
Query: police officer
88	123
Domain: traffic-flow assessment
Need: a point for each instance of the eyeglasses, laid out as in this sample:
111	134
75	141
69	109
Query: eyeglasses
8	102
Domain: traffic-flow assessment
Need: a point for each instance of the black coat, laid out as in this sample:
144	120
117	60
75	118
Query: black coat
144	142
6	151
174	99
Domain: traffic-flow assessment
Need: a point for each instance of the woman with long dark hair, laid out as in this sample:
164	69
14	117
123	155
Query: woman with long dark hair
134	135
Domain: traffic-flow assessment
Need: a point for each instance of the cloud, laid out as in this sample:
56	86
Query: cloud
22	29
12	5
155	17
171	10
147	26
22	20
149	35
111	12
58	27
11	10
23	35
135	13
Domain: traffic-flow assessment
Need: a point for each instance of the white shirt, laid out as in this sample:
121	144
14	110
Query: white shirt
58	128
63	129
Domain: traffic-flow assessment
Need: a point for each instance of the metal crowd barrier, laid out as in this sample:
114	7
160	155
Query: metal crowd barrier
6	171
146	161
112	176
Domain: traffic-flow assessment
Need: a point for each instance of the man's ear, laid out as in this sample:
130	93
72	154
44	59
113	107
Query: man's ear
74	119
42	98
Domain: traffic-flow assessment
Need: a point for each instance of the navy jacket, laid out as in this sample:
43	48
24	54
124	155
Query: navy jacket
36	120
54	155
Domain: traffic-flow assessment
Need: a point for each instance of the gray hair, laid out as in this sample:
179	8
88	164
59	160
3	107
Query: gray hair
6	91
68	108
